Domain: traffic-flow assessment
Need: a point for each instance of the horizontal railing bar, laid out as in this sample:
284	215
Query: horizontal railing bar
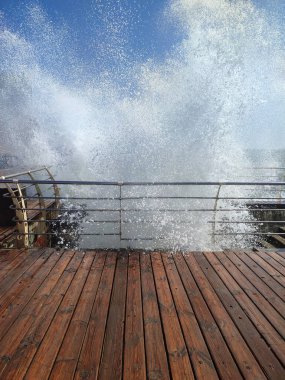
247	221
93	234
148	221
137	210
7	195
62	209
108	221
64	221
70	198
58	234
23	173
249	233
143	239
263	168
201	210
274	190
257	176
152	221
105	183
154	238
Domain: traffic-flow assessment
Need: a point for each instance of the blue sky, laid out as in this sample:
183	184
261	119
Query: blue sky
149	35
95	27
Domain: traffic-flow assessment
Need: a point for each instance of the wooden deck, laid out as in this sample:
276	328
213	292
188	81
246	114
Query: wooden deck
134	315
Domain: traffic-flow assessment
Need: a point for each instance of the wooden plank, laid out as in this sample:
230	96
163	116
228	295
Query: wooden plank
89	360
179	361
7	256
256	342
20	294
28	316
265	307
134	349
7	259
262	274
280	260
262	288
23	266
281	253
157	365
267	267
70	318
16	268
271	336
201	360
112	354
45	356
25	351
6	233
68	355
272	262
242	354
220	353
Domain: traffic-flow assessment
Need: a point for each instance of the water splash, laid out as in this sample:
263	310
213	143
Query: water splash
184	116
119	118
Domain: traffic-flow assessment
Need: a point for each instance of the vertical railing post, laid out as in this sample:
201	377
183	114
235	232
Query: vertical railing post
39	194
120	197
215	215
55	188
41	228
281	191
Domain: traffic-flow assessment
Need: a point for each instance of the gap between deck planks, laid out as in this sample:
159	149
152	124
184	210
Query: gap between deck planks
135	315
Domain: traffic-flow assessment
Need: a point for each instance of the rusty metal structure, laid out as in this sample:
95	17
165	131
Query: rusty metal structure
27	229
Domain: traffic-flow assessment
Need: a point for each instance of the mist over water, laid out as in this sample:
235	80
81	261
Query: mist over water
179	119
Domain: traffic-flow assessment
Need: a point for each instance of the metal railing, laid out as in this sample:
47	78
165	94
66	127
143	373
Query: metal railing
147	214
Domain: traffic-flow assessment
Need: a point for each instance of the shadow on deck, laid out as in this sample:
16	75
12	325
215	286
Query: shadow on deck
134	315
